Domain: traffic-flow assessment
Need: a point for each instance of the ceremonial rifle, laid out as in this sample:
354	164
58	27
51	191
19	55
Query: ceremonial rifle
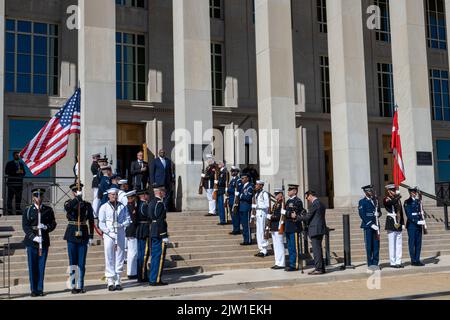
283	216
422	214
39	224
267	225
200	187
78	233
377	220
216	181
227	200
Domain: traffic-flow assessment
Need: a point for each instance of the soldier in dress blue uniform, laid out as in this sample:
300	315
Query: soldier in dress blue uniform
78	238
159	236
414	225
245	207
37	257
221	183
369	211
234	187
292	229
142	235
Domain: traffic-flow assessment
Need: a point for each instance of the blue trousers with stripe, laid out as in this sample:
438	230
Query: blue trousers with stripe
372	247
142	259
245	221
77	258
157	262
235	218
36	268
293	248
221	208
415	243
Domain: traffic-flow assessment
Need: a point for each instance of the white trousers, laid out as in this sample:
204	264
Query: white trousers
95	202
395	247
132	245
278	248
260	228
114	259
211	201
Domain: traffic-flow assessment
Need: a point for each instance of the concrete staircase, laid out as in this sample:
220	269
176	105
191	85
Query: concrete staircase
198	244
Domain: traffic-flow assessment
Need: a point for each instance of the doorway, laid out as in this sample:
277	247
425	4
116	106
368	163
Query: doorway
130	140
328	154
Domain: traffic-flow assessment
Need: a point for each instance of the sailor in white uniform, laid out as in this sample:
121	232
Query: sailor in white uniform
123	185
113	219
262	209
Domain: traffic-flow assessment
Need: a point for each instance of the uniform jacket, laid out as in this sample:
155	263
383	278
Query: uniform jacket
105	184
157	218
222	182
30	223
276	216
122	198
208	180
366	211
95	169
108	215
393	206
315	218
86	220
293	205
130	231
412	211
139	179
262	202
142	223
245	197
234	185
160	175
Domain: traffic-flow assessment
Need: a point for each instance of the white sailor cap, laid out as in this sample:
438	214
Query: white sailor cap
131	193
112	190
259	182
278	190
123	181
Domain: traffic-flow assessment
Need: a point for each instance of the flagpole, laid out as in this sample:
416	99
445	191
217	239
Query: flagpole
78	233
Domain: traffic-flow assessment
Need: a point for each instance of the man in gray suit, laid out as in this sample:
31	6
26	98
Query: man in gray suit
317	228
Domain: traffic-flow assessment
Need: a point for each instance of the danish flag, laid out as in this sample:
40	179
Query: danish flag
396	147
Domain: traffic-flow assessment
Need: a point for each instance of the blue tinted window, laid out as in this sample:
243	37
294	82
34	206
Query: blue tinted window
24	26
23	63
10	25
10	42
9	62
23	43
40	65
9	82
40	84
40	45
24	83
40	28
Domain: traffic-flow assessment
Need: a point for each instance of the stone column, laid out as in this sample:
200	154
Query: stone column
276	103
2	125
193	100
411	88
351	162
96	61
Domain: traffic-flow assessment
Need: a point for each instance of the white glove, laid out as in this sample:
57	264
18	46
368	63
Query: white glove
269	217
375	227
283	212
403	227
377	214
116	225
252	217
37	240
166	240
42	226
421	223
236	193
79	193
392	215
216	181
91	241
254	206
203	175
112	235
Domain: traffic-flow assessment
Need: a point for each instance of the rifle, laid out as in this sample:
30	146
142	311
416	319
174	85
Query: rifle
236	203
200	187
39	229
422	213
216	180
283	216
377	220
227	200
267	226
253	213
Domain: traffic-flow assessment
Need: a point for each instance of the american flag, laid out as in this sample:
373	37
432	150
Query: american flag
50	144
396	147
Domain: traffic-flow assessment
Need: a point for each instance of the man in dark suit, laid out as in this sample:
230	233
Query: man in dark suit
315	218
139	172
15	170
161	174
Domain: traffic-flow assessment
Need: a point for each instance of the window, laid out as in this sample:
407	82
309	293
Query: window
131	3
385	89
322	15
439	94
436	26
217	73
443	160
325	84
130	66
215	9
384	33
31	57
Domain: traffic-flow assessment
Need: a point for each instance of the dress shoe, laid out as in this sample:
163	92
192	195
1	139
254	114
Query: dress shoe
34	294
400	266
221	224
158	284
418	264
208	215
277	268
82	290
118	288
260	255
132	277
394	266
74	291
315	272
245	244
41	294
289	269
111	288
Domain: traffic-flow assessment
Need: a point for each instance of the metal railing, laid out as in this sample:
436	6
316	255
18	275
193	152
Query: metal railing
440	201
443	190
57	191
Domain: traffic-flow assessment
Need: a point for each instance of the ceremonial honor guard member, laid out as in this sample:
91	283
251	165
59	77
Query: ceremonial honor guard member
142	236
113	219
245	207
234	187
262	209
317	228
123	185
80	216
294	206
277	238
130	232
369	212
95	170
37	222
105	184
394	225
414	225
208	184
159	236
221	183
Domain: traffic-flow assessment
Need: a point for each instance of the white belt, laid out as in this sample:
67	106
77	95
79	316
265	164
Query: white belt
415	214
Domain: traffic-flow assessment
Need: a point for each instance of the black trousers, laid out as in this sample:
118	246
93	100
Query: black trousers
317	252
14	191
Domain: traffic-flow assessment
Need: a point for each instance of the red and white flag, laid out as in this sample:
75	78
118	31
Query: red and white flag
50	144
396	147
